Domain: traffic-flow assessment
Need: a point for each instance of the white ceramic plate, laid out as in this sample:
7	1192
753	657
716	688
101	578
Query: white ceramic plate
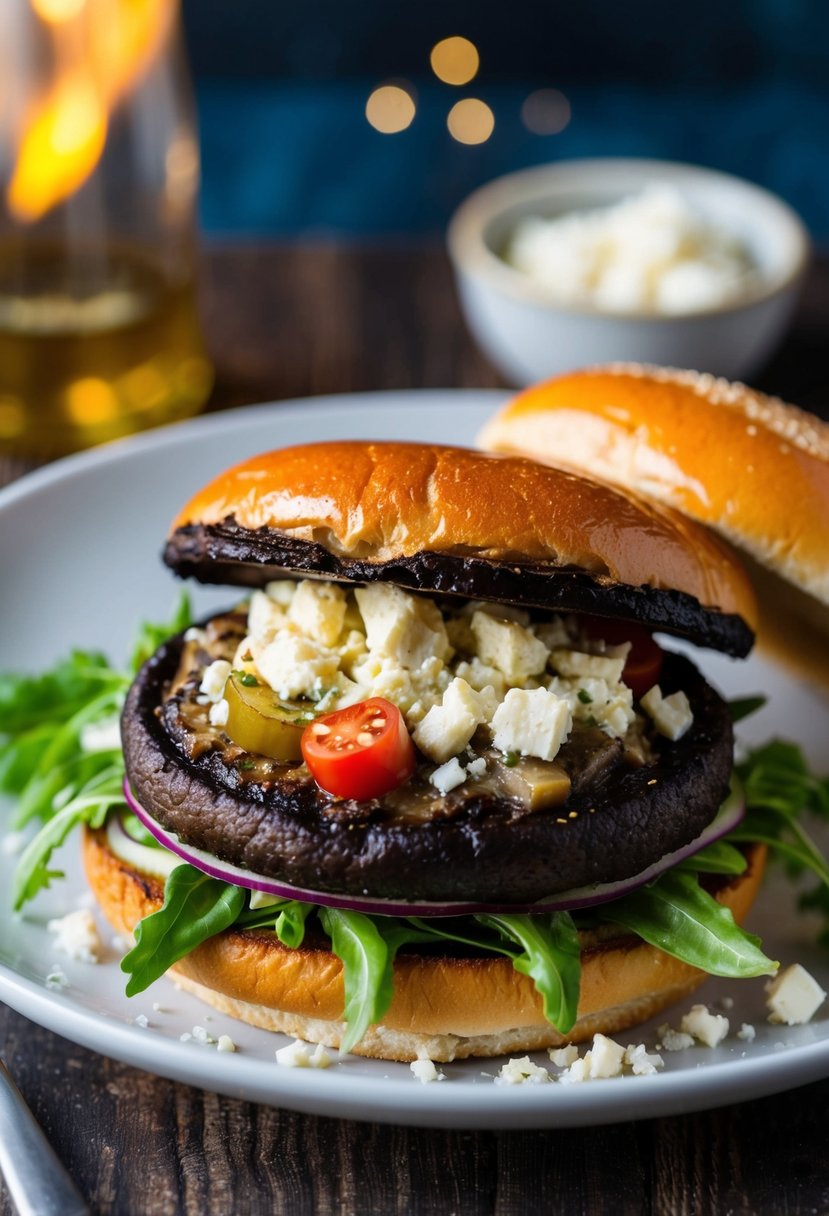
79	556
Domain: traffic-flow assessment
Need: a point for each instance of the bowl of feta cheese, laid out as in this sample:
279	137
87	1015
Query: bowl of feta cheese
595	261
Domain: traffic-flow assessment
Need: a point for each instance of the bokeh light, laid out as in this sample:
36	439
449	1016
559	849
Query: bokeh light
55	12
470	121
455	60
546	112
390	108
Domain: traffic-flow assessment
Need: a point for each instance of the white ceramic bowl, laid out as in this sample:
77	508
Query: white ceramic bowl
529	336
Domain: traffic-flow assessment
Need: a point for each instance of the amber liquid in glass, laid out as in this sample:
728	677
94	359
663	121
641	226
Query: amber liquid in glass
94	345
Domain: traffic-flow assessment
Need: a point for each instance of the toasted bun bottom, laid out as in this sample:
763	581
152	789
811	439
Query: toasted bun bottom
444	1008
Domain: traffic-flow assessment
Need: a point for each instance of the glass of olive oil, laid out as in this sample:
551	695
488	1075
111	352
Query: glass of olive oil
99	335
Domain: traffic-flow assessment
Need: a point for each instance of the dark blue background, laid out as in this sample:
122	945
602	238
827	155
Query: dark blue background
282	85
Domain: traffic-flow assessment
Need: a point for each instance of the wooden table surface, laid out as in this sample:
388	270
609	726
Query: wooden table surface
299	320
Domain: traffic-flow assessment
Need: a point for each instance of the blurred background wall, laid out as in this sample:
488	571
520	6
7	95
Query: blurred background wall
288	149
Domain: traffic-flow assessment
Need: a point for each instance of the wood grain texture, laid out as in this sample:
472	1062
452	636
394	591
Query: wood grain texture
284	322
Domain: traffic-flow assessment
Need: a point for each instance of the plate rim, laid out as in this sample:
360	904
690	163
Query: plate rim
360	1096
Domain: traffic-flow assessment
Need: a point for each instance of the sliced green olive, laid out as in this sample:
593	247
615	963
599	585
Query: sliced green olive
538	783
259	722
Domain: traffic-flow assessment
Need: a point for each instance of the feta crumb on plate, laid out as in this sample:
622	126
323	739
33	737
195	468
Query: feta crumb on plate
522	1071
425	1071
299	1055
76	935
747	1033
225	1043
794	996
706	1027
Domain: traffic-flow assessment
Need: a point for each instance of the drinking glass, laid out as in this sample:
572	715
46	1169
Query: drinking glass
99	170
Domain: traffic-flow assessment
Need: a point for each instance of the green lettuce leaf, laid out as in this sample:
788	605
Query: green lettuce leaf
195	908
90	806
677	915
367	963
550	956
720	857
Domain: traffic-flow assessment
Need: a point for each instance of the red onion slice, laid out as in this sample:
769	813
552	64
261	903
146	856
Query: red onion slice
728	817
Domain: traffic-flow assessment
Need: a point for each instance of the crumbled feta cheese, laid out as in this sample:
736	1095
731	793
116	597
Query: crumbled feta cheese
747	1033
281	591
186	1037
265	619
292	665
534	722
578	1071
218	713
101	736
225	1043
706	1027
514	650
142	1020
448	727
673	1040
157	1008
577	664
203	1036
481	676
654	251
76	934
318	609
194	634
477	768
672	715
794	996
563	1057
403	627
299	1055
605	1058
214	680
350	648
425	1071
522	1072
641	1062
448	776
554	634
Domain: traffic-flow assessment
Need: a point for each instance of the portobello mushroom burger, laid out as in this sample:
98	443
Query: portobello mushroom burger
433	789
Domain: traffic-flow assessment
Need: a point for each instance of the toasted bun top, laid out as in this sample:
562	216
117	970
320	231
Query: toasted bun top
377	504
754	468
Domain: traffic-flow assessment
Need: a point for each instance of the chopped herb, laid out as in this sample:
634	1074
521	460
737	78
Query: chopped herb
585	697
510	759
246	765
247	678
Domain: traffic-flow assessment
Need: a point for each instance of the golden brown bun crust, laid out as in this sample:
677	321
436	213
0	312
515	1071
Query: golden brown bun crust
754	468
380	501
444	1007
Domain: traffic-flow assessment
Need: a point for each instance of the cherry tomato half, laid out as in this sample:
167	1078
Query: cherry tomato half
360	752
643	665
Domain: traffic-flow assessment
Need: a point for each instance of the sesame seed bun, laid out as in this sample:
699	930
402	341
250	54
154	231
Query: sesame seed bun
750	466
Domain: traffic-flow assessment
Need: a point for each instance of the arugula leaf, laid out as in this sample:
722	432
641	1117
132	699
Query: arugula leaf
195	908
285	917
720	857
550	956
677	915
744	707
367	962
549	953
151	636
26	701
90	806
